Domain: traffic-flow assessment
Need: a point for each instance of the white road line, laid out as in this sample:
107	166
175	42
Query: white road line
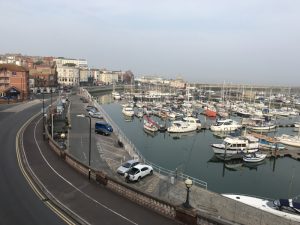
68	182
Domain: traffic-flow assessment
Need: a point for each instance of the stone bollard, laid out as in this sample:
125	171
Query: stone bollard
187	216
101	178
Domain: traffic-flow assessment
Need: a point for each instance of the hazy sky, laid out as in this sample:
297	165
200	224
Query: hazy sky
232	41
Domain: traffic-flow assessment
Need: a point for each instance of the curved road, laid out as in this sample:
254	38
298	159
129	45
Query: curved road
92	203
18	204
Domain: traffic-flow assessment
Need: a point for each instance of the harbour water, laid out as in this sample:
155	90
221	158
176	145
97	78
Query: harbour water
191	154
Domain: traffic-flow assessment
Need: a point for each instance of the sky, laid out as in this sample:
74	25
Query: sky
211	41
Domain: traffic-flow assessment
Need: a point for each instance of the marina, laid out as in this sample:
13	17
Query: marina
191	153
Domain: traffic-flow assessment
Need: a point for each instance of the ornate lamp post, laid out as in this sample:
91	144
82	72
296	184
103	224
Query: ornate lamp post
188	183
90	142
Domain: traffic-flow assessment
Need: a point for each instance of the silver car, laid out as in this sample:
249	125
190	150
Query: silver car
97	115
127	166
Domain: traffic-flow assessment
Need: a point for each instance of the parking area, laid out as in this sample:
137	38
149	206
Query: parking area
114	156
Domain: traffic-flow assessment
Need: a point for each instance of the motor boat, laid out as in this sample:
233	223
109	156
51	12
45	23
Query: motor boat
261	125
286	208
243	113
292	205
254	157
225	125
210	112
181	127
289	140
116	95
192	120
139	113
235	145
128	111
150	126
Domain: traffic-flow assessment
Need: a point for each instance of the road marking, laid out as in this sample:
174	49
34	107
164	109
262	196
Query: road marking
22	106
68	182
29	180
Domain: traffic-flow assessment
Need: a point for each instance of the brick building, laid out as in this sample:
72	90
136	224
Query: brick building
14	81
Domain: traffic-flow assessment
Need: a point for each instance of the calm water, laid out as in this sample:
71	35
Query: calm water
192	154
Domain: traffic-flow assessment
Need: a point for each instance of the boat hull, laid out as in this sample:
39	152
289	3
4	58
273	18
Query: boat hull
254	158
220	149
263	204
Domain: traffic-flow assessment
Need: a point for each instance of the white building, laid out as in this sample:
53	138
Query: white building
81	63
95	73
109	77
84	75
68	76
152	80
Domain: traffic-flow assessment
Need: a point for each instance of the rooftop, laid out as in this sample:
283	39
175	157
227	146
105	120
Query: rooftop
13	67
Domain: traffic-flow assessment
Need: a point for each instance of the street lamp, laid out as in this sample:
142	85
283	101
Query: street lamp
188	183
43	116
90	142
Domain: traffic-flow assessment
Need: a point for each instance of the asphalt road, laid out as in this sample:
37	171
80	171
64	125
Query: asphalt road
89	201
18	203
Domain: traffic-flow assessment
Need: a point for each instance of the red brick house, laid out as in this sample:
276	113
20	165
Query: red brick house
14	81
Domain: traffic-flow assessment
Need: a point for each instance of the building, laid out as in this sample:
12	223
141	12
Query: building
85	77
80	63
109	77
43	78
178	83
95	73
14	81
67	76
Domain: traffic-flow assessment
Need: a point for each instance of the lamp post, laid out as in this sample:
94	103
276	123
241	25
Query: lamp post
188	183
51	96
90	142
43	115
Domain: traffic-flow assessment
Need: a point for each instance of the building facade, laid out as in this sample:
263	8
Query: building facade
109	77
85	76
14	81
43	78
81	63
67	76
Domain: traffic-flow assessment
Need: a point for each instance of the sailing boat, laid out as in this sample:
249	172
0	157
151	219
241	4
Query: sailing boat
115	94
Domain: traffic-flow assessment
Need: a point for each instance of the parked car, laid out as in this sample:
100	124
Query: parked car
127	166
90	107
103	128
97	115
137	172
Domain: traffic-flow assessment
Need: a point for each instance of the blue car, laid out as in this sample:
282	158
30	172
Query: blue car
103	128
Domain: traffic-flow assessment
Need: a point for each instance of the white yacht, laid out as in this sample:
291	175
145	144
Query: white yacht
192	121
289	140
116	95
181	127
235	145
261	125
225	125
265	205
128	111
